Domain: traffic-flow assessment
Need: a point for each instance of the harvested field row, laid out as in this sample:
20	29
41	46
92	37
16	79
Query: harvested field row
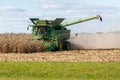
66	56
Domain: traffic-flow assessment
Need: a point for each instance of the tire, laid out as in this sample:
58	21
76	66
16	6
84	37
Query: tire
56	49
66	45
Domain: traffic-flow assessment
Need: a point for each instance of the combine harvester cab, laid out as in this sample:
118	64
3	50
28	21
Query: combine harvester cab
53	33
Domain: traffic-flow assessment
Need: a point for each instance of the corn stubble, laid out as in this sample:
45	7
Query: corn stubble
19	43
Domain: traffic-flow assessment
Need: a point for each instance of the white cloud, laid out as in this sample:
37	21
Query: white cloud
11	9
39	1
92	9
74	8
12	17
72	11
50	6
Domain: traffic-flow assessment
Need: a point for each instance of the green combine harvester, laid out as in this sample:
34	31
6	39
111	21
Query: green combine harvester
54	34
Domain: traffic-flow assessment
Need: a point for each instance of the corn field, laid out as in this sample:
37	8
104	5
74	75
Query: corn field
19	43
22	43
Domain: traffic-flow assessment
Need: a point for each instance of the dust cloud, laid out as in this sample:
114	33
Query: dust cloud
95	41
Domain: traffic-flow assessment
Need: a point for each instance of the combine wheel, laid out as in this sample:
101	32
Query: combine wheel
66	45
56	49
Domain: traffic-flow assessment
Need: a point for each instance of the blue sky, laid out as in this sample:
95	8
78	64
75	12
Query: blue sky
15	14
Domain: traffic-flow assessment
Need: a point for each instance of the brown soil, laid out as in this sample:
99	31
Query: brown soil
65	56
